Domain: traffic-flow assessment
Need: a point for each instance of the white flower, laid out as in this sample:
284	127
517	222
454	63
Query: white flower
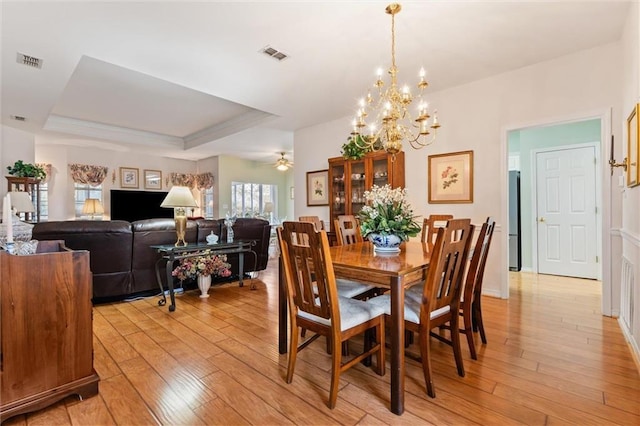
387	212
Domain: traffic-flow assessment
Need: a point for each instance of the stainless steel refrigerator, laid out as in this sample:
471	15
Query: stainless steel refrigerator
515	234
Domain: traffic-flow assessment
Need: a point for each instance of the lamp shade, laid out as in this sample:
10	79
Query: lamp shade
92	206
268	207
21	202
179	196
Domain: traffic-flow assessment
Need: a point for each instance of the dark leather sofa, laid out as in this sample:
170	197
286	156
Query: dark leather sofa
121	260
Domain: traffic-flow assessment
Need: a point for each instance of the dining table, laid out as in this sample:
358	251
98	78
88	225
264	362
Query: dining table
394	271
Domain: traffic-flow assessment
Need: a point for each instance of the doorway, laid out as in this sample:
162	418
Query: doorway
523	145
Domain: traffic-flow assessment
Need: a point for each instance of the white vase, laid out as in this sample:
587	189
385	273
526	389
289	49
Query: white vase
385	243
204	284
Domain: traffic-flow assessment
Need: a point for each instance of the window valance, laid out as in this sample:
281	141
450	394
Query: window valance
204	180
193	181
87	174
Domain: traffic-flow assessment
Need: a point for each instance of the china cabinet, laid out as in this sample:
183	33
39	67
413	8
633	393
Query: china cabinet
46	339
351	178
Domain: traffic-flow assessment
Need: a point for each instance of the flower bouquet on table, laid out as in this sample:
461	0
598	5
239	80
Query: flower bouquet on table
387	218
205	264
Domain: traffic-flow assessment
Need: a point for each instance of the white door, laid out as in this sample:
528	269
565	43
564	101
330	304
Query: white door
566	212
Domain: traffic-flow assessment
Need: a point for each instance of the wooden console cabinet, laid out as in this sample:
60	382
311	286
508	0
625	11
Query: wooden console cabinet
46	328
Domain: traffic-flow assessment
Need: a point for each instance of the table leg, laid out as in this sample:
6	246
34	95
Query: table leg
162	301
172	306
241	268
397	345
282	310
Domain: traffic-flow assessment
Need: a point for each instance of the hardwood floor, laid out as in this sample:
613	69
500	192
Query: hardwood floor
551	358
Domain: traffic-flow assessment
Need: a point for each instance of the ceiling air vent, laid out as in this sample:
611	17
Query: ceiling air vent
276	54
18	118
30	61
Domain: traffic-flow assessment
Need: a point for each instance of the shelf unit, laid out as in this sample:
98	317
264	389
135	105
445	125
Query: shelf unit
351	178
30	185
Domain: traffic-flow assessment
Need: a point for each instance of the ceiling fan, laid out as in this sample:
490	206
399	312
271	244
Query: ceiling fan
283	164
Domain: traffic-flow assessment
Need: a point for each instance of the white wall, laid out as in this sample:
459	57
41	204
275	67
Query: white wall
14	145
476	116
629	234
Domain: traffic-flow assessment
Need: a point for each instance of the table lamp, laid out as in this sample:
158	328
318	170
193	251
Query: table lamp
92	207
268	209
21	202
180	197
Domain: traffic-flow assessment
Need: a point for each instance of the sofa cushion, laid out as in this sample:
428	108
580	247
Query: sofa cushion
109	244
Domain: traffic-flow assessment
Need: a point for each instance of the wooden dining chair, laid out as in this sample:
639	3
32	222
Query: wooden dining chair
313	219
431	224
347	230
440	302
314	303
470	304
471	308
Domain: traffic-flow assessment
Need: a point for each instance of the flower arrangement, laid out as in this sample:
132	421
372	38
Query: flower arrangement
205	264
387	212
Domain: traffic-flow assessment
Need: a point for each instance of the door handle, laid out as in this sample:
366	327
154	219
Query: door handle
541	219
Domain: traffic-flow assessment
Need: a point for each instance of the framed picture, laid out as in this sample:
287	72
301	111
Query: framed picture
451	178
633	147
291	192
318	188
152	179
129	177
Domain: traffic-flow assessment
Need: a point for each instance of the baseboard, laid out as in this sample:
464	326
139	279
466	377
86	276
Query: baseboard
633	345
492	293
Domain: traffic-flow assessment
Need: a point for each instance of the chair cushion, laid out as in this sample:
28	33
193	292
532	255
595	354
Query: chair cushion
352	313
411	307
349	288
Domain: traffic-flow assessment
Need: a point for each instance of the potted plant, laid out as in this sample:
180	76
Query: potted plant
387	219
22	169
355	148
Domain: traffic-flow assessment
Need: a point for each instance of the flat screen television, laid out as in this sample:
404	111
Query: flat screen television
138	205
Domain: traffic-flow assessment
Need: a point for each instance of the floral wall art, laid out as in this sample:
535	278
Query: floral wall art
317	189
451	178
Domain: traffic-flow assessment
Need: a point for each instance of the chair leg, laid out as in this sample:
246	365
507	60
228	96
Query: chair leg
293	353
477	311
380	361
466	316
425	355
455	342
408	338
336	361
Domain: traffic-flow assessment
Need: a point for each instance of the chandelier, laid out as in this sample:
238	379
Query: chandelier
393	122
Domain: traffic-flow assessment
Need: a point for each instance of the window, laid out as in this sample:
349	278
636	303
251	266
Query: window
44	202
247	199
206	203
84	191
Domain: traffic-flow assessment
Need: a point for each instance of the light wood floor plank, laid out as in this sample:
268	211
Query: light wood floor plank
244	401
551	359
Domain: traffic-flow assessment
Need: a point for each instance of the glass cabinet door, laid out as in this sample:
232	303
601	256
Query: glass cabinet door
338	197
380	171
358	186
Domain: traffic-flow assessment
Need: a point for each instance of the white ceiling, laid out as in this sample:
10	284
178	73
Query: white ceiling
189	80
